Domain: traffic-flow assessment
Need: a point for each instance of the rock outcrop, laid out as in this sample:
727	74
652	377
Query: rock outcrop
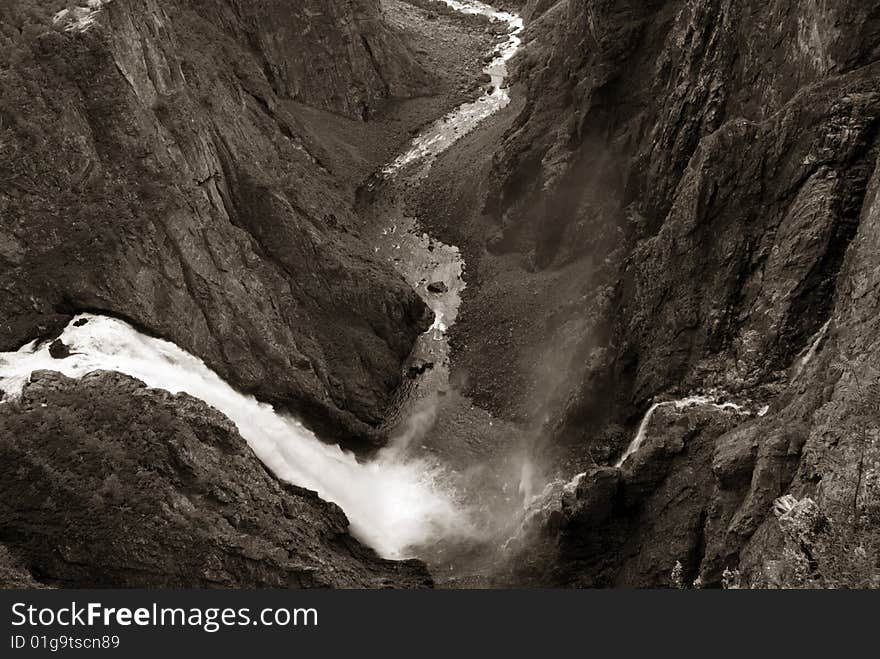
106	483
687	198
734	142
151	170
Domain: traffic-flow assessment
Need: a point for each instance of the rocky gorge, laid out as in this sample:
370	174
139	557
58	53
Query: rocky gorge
612	324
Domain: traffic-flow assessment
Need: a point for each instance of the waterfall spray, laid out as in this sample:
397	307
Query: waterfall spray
394	503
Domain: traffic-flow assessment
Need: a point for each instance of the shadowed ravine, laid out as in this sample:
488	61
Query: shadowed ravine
440	293
396	502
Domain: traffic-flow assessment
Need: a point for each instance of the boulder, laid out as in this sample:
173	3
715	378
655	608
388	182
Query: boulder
59	350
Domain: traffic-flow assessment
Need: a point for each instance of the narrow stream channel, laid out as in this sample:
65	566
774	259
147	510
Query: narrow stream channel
397	502
436	270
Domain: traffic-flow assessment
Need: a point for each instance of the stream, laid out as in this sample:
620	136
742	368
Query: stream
436	270
398	501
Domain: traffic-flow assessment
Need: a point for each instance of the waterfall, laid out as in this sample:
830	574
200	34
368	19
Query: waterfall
393	503
690	401
813	349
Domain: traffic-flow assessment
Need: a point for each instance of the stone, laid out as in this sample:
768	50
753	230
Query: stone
162	492
59	350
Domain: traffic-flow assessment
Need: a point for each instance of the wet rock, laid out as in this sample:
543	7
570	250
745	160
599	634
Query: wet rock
141	488
59	350
579	527
631	526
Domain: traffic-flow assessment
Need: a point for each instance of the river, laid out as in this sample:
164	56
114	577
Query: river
396	502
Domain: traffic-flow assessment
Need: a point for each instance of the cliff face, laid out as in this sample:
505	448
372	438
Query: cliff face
733	141
150	171
126	486
339	56
721	158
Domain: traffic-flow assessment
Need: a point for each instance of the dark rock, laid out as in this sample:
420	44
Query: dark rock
419	369
12	574
201	172
59	350
80	322
105	483
575	542
369	60
438	287
733	219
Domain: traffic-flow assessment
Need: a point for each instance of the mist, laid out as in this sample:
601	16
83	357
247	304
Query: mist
394	503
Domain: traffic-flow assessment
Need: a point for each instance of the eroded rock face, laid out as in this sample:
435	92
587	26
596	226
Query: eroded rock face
629	526
106	483
340	56
722	158
154	174
734	142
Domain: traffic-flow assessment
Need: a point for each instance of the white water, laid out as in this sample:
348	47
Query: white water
393	503
684	403
80	19
813	349
445	132
538	503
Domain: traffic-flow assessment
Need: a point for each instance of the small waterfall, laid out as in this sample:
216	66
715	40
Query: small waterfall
684	403
813	349
393	503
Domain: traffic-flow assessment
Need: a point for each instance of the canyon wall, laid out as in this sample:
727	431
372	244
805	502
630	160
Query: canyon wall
151	171
687	192
340	56
735	142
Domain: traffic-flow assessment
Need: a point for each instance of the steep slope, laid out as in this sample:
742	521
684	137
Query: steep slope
12	574
340	56
734	142
150	171
106	483
683	203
